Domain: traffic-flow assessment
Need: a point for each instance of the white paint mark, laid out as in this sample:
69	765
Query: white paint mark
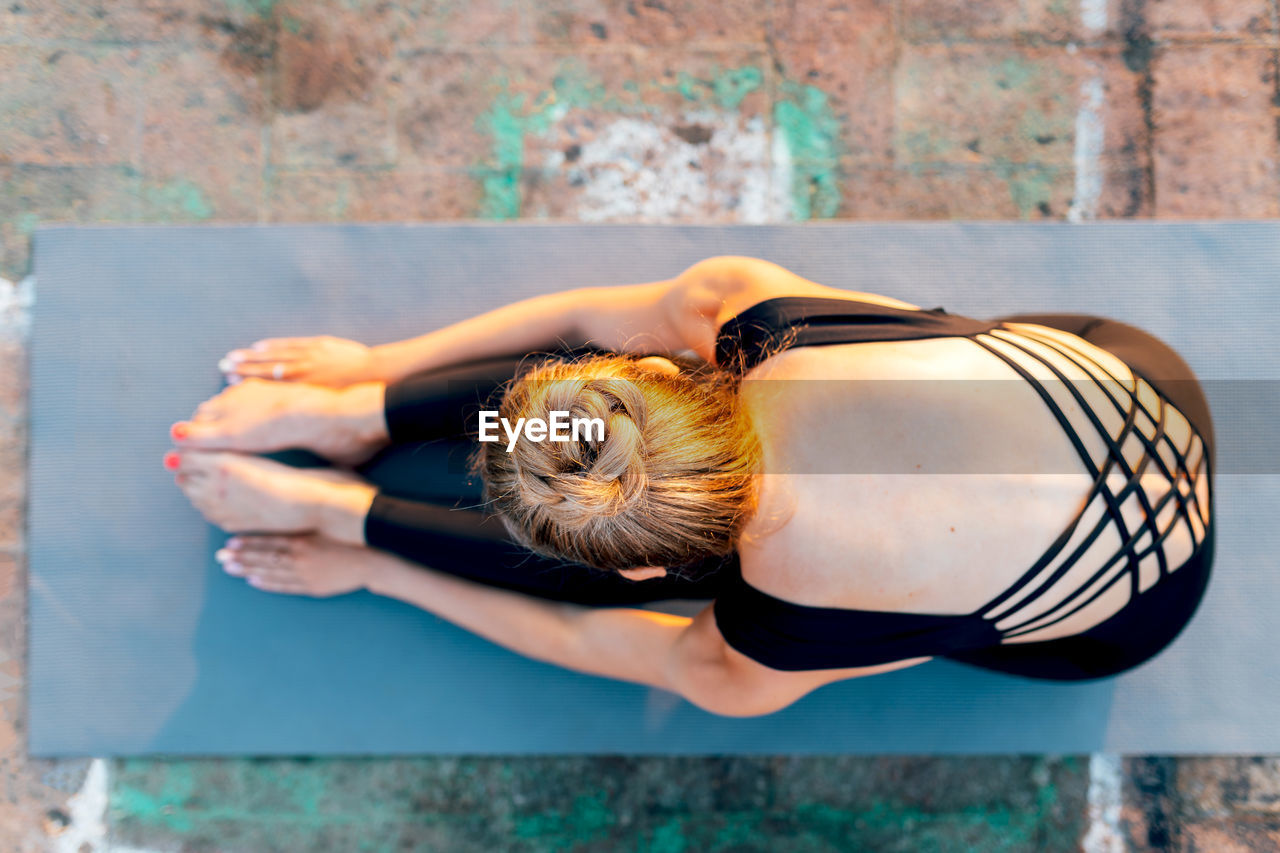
88	811
15	307
639	170
1088	150
783	175
87	830
1093	14
1104	797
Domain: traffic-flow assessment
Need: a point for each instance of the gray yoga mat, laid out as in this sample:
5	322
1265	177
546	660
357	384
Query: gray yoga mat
140	644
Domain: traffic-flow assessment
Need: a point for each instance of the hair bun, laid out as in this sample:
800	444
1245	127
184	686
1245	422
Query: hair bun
579	479
671	482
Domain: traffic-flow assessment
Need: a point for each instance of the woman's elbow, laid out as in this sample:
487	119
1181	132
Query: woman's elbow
729	699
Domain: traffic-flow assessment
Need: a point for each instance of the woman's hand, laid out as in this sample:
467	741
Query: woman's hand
298	565
320	360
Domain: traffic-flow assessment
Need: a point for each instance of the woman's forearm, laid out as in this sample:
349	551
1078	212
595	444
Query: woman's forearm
541	323
629	645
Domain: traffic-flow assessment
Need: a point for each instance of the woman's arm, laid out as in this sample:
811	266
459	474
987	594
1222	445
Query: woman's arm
686	656
657	317
662	317
635	315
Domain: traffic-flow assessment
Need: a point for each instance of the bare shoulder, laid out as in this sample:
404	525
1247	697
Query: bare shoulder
754	280
711	292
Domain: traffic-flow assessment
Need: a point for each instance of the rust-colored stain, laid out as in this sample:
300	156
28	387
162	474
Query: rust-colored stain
300	60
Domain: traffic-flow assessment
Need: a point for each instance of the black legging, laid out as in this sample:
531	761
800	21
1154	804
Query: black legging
429	510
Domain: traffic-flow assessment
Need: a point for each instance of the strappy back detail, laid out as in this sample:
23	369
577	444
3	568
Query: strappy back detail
1161	523
773	325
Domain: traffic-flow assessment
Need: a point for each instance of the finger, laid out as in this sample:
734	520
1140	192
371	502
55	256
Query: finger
272	343
263	561
269	345
265	542
286	588
273	575
246	366
252	560
283	369
235	361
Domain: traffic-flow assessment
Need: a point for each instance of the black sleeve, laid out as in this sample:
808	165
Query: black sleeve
472	544
444	403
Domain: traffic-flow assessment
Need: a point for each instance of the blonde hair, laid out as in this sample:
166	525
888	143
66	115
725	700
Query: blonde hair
671	483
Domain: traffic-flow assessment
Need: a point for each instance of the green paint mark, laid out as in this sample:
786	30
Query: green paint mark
1016	73
254	805
501	177
262	8
292	24
666	838
812	133
1031	106
725	88
510	119
339	208
163	803
589	820
1029	185
574	86
26	223
178	199
731	87
1034	124
1060	9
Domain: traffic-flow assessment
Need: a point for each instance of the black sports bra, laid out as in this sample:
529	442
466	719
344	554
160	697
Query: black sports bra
788	636
776	324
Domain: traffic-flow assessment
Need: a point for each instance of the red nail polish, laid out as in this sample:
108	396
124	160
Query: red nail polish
179	430
171	460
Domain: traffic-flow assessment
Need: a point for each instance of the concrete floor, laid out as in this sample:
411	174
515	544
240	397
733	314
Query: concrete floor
618	110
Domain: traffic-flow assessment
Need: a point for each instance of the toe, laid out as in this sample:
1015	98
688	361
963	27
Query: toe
186	465
209	410
196	488
207	434
190	459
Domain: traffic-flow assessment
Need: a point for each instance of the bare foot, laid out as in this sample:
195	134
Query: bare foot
298	565
248	493
346	426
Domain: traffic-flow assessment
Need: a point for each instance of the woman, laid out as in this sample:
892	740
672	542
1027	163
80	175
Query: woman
1030	495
